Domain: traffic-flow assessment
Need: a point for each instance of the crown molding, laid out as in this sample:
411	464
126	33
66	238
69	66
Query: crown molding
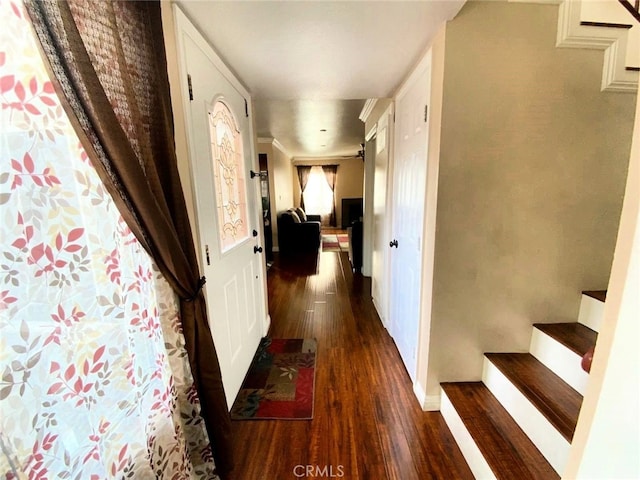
324	160
280	147
274	142
367	109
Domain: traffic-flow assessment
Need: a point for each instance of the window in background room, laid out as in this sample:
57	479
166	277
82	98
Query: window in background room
318	196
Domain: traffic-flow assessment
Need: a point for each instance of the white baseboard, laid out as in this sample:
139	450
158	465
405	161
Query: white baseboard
428	403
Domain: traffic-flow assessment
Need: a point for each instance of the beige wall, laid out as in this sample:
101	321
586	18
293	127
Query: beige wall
280	191
531	177
349	180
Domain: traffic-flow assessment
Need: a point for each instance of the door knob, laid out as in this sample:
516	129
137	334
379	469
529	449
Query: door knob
393	243
257	249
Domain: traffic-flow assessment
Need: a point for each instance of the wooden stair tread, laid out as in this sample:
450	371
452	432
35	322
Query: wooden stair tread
597	294
505	447
554	398
575	336
626	26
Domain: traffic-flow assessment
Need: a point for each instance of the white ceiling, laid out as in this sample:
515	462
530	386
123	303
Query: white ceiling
303	60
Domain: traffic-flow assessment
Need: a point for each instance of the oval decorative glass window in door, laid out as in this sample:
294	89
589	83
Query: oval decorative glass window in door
229	177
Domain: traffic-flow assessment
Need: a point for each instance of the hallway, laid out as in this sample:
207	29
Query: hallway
367	422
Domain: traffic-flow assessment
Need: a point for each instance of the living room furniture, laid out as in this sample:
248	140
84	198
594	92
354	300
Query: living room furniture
355	245
296	234
351	211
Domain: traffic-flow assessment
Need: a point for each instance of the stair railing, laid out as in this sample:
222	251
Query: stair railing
632	7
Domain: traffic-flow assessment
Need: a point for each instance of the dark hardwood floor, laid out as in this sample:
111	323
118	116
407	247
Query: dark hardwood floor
367	422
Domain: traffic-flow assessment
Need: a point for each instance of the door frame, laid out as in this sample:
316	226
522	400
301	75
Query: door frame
382	305
175	22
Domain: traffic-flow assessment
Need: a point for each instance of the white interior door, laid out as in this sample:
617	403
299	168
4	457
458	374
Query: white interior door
408	207
380	250
221	158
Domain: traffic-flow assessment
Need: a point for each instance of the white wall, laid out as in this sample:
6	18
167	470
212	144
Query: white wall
370	181
280	190
607	438
431	399
367	205
179	121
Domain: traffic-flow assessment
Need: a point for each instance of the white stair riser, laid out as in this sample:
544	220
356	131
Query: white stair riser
591	312
478	465
559	359
542	433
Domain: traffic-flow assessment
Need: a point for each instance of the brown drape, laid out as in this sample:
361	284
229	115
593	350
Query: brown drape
330	173
303	178
108	63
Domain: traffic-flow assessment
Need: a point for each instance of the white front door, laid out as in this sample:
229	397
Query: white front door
408	207
221	154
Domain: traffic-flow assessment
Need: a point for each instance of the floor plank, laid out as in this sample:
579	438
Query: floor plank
367	422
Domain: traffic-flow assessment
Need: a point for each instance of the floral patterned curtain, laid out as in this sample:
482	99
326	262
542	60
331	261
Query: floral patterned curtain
95	381
109	65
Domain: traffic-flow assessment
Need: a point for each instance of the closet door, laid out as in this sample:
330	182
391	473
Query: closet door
408	210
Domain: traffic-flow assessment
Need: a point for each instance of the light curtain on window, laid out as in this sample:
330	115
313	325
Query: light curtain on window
331	172
108	60
318	197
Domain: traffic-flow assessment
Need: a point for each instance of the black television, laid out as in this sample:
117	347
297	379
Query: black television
351	211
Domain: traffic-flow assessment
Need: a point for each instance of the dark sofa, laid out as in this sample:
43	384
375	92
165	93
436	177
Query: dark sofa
298	232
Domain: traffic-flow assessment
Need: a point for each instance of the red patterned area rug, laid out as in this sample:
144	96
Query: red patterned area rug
280	382
330	242
343	240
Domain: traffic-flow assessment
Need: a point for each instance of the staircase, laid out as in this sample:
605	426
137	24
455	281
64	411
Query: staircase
519	421
612	26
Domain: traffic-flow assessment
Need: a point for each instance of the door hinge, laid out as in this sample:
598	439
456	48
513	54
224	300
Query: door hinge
246	108
426	109
190	87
